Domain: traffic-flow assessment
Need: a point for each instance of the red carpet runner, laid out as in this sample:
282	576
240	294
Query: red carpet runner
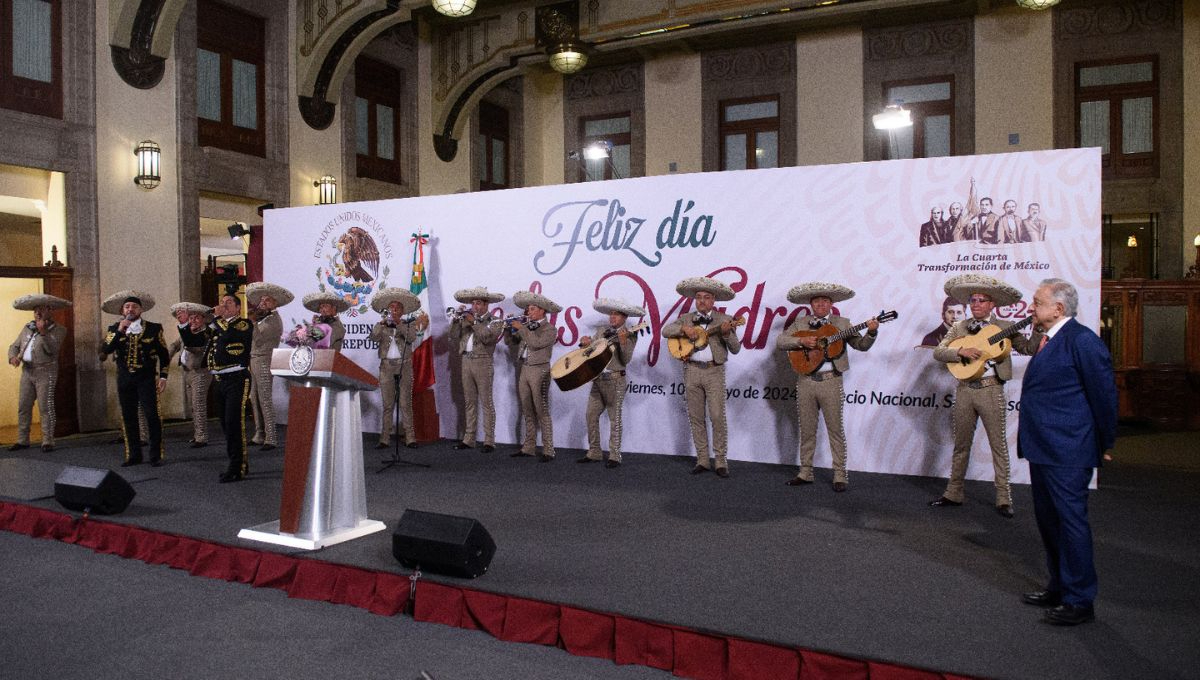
686	653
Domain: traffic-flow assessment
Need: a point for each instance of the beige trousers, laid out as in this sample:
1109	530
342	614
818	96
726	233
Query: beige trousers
533	387
261	405
826	397
704	387
196	382
37	383
388	370
986	404
608	393
477	376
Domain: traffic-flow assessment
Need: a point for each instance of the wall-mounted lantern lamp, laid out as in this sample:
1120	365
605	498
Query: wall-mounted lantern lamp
326	190
148	156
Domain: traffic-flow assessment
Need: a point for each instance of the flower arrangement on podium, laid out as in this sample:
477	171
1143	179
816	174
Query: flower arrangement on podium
304	334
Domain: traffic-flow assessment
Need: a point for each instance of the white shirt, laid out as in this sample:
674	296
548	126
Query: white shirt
393	351
28	355
705	353
135	327
1051	331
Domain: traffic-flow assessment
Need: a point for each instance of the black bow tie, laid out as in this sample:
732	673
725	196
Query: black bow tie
818	322
975	326
703	320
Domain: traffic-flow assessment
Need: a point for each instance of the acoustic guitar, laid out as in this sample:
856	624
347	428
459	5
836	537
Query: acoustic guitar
581	366
682	348
831	344
993	344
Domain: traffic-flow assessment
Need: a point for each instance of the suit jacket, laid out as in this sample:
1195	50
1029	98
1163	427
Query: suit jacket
1032	230
485	331
337	331
45	352
622	352
230	343
1068	401
931	233
987	228
136	353
949	355
722	345
859	342
268	331
1007	227
195	343
540	342
385	335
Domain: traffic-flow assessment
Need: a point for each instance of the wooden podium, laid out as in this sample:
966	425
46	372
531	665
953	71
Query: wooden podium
324	498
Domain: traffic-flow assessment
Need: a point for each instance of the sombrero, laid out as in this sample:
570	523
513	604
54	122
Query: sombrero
113	303
256	290
690	286
387	296
961	287
469	295
313	301
617	306
190	307
524	298
805	292
28	303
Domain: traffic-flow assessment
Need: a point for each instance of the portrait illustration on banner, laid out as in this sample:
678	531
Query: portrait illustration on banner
977	220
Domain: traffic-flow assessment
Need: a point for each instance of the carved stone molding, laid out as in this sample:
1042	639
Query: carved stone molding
1115	18
604	83
753	63
940	39
317	17
135	64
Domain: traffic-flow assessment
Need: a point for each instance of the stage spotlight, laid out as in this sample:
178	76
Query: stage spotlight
597	150
893	116
238	230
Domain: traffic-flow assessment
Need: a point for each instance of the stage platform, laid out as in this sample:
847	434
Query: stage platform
870	574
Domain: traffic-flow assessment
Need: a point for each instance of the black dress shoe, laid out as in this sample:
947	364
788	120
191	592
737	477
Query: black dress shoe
382	445
131	462
47	448
411	445
585	459
227	477
267	447
798	481
460	446
840	486
488	448
18	447
199	445
1042	598
722	472
1069	615
943	502
612	463
1005	511
543	458
699	469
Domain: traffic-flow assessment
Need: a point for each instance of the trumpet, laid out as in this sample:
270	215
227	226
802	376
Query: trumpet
453	314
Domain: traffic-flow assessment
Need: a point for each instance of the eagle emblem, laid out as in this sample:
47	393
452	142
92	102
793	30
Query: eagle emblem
352	269
360	256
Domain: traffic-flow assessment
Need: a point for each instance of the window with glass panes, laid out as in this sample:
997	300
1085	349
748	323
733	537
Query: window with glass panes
749	131
1115	110
493	147
377	97
31	56
229	78
613	129
931	102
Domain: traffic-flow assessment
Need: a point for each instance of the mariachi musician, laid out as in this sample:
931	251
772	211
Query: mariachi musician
193	319
143	361
475	333
608	388
534	337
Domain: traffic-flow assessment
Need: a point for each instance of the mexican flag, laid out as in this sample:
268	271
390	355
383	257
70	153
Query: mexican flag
424	405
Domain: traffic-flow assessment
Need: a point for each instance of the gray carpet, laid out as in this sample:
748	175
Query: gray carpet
872	573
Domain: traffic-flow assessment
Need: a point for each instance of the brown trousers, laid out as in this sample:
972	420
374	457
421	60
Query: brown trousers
828	398
388	370
477	376
37	383
986	404
608	393
261	405
533	387
704	387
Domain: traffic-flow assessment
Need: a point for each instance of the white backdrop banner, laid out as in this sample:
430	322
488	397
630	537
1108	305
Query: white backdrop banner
893	231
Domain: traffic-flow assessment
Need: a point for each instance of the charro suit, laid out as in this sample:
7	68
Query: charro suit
704	385
1068	420
228	358
196	378
476	345
39	375
142	358
337	331
981	399
608	392
823	392
534	347
268	331
395	360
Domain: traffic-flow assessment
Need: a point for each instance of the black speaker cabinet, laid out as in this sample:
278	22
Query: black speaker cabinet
103	491
444	544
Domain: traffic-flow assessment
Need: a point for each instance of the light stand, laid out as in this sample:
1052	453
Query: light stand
395	414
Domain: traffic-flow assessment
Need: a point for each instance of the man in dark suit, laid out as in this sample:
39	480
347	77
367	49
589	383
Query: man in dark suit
142	364
228	359
1068	421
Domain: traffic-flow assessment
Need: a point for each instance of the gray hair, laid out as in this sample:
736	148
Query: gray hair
1064	292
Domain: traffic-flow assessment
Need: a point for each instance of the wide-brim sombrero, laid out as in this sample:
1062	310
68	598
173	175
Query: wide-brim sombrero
524	298
617	306
696	284
387	296
469	295
113	303
961	287
805	292
28	303
313	301
256	290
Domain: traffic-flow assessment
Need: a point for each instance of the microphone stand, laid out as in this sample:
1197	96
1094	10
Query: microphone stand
395	415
